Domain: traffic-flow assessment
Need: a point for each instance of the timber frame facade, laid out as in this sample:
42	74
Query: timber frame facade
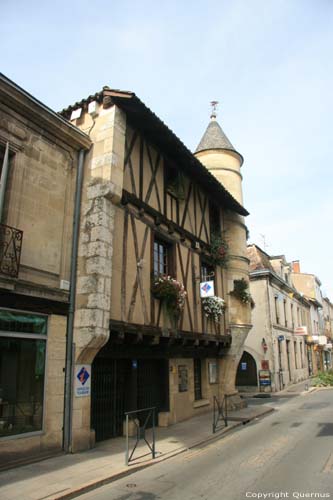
150	208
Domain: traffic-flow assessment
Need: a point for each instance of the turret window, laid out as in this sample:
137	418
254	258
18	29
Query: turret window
214	220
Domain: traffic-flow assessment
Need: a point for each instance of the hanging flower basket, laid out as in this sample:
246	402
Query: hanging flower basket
213	308
241	292
171	292
218	251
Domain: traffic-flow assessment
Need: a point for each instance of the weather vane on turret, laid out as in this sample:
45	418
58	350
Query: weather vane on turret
214	108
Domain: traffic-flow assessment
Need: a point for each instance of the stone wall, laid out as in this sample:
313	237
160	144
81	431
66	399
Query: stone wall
39	199
102	191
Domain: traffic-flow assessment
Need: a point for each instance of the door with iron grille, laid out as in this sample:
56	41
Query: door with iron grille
197	379
108	396
153	385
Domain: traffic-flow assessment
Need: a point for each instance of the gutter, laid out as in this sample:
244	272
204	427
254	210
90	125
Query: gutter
68	400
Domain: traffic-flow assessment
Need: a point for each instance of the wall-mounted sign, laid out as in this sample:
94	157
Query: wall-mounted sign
182	378
243	367
82	380
280	338
265	364
301	330
207	289
212	372
264	377
134	364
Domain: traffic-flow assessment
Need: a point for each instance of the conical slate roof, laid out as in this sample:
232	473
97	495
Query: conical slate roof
214	138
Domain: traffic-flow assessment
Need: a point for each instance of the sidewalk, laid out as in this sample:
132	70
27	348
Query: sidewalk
300	388
67	476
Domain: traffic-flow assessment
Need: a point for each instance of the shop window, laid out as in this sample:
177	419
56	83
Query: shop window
22	372
197	380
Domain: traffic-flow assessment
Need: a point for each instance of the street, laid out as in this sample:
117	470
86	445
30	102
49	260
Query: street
288	454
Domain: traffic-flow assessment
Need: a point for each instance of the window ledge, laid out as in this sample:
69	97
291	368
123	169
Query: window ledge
201	402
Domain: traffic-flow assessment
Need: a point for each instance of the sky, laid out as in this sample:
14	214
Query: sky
269	63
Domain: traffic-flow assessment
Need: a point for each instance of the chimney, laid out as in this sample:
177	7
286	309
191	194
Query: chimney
296	266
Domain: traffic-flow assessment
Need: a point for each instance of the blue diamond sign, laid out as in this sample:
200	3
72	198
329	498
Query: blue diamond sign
207	289
82	380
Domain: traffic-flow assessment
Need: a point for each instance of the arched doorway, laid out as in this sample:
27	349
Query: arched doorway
247	371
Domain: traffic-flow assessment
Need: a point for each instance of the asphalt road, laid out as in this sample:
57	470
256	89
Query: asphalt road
288	454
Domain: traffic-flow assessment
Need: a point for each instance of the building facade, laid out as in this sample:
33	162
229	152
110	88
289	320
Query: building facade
275	352
319	347
150	210
38	163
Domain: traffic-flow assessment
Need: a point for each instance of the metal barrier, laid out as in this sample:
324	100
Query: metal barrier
140	434
220	412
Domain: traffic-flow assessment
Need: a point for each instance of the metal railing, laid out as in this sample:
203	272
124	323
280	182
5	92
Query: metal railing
220	413
140	430
10	250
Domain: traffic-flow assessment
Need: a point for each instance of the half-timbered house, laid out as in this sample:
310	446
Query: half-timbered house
151	209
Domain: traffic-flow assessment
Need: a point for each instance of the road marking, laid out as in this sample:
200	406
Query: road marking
329	464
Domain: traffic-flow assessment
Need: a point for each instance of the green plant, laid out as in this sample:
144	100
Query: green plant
213	307
241	292
218	250
323	379
171	292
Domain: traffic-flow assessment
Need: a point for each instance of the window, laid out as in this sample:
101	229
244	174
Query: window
285	312
174	180
295	352
22	371
292	315
276	305
207	272
214	219
162	259
197	380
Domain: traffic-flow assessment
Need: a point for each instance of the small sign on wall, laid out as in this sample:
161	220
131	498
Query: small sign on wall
207	289
82	379
212	372
243	367
265	364
182	378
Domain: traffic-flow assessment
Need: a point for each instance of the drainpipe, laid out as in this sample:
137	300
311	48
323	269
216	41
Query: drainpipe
70	323
3	180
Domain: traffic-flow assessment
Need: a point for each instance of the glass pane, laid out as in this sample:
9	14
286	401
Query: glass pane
22	322
22	370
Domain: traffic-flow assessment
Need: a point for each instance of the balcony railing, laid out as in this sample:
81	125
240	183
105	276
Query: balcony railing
10	250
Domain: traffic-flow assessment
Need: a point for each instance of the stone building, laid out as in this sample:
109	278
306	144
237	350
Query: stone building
281	318
328	330
153	209
310	286
38	165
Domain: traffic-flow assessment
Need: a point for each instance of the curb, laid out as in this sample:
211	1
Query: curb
92	485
